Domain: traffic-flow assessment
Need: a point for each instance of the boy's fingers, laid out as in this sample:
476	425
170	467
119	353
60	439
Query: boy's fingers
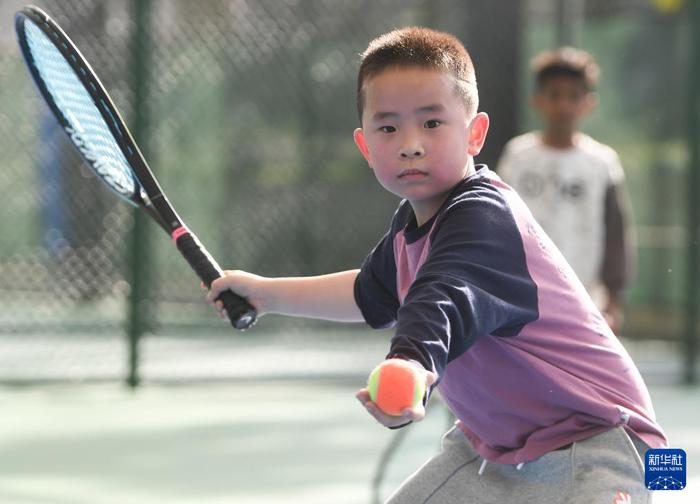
394	420
362	395
222	311
212	295
381	417
215	287
416	414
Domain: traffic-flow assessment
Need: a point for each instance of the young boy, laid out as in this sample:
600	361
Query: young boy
483	303
573	185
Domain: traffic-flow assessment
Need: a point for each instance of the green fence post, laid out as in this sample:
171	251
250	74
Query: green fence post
690	343
138	247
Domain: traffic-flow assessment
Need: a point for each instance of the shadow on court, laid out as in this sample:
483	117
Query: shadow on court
253	443
270	442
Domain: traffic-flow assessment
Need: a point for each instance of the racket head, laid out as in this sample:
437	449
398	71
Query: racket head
79	102
85	111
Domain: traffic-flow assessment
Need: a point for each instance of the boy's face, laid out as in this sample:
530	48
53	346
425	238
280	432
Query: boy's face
416	135
562	102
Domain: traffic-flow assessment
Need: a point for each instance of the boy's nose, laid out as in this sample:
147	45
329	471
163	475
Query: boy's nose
411	150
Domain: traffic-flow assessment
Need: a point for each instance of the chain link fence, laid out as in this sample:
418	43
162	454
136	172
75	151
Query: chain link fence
250	111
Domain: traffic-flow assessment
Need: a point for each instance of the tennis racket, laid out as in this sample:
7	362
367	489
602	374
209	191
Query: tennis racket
85	111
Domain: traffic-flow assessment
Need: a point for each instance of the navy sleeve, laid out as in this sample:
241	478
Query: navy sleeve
375	286
475	282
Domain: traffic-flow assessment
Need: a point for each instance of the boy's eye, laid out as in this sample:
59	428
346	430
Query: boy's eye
387	129
432	123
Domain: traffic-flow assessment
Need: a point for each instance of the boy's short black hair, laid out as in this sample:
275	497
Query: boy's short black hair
566	62
420	47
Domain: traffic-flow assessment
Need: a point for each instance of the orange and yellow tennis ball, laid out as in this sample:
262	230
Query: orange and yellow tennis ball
395	385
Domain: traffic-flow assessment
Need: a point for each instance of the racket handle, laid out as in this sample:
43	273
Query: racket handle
240	312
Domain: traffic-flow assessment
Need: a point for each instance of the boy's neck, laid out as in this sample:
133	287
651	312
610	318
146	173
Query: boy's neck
558	139
425	210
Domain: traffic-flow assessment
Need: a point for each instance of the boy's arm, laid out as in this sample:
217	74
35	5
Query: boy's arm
475	282
618	255
328	297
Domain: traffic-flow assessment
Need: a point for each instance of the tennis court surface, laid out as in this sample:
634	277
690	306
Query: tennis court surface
247	441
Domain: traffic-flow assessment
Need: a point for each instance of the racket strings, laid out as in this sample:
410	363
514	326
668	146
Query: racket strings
87	128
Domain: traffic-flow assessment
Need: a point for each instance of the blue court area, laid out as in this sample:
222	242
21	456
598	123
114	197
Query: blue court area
248	440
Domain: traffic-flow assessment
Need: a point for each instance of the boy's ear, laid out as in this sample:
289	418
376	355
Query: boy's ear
359	137
591	102
477	133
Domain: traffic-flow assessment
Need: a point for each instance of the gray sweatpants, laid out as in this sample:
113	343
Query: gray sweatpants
604	469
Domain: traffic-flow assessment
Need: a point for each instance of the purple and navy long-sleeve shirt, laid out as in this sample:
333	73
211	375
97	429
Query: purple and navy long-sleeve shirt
481	296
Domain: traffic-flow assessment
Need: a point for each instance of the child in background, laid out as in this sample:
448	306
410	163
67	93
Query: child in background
550	406
574	185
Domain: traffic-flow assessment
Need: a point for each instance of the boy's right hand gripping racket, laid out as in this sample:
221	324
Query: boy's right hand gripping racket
87	114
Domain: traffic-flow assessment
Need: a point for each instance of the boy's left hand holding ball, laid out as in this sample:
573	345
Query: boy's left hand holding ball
415	413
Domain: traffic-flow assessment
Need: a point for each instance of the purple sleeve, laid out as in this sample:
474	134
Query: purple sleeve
474	282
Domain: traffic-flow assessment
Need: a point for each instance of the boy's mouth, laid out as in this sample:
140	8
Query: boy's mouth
412	173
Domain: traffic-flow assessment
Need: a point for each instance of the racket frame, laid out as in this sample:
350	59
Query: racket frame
147	193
